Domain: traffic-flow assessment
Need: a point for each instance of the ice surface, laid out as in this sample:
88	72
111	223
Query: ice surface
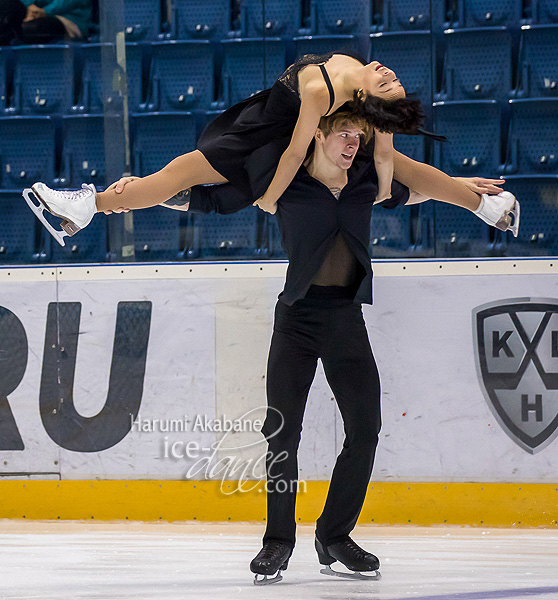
109	561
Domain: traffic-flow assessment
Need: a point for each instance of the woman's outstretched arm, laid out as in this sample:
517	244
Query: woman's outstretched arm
433	183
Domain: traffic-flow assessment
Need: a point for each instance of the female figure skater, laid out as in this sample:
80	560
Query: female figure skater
315	86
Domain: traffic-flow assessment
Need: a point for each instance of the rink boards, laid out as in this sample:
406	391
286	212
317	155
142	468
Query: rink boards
137	391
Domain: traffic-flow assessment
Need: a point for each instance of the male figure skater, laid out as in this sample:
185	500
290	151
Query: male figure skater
324	218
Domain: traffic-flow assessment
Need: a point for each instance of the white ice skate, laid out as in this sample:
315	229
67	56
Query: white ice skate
497	211
76	208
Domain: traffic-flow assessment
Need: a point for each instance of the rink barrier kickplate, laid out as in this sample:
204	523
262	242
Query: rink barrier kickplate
474	504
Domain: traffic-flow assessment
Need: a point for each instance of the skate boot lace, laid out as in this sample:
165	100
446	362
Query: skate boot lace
272	550
355	551
74	195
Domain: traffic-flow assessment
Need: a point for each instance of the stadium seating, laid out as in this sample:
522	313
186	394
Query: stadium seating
545	11
390	234
281	18
235	236
533	145
413	146
538	232
487	13
89	143
142	19
17	229
538	63
477	64
104	88
199	19
458	232
88	245
157	234
181	76
322	44
410	56
412	15
3	78
43	80
249	66
473	132
160	137
27	151
340	17
273	242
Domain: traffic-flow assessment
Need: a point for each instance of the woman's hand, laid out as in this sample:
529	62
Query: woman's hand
480	185
266	204
34	12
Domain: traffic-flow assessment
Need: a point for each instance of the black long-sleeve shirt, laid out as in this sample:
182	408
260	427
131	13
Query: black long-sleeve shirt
310	217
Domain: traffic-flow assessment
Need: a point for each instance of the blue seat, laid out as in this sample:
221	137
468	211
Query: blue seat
159	138
473	132
274	244
17	229
281	18
181	76
243	72
533	145
196	19
227	236
322	44
413	146
340	17
458	232
27	151
545	11
88	245
410	56
538	230
43	80
390	232
477	64
412	15
483	13
87	139
142	20
157	234
538	65
3	77
102	88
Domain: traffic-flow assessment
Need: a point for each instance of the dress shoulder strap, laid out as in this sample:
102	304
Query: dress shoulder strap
329	87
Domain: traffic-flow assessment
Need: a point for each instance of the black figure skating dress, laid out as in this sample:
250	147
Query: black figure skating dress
229	140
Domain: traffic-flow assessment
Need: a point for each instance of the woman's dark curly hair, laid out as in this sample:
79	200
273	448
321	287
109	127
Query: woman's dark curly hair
403	115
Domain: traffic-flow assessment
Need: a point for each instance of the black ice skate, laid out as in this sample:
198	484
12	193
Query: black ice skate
352	556
271	560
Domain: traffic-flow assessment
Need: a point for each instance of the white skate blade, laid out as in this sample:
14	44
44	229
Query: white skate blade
515	212
57	234
267	580
374	575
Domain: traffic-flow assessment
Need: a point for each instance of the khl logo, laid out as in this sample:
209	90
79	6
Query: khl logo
516	343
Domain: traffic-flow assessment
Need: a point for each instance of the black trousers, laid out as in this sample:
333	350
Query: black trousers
38	31
326	325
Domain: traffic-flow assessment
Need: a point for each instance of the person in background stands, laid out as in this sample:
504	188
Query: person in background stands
44	21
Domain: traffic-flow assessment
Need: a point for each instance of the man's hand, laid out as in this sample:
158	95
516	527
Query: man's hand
266	204
117	187
480	185
34	12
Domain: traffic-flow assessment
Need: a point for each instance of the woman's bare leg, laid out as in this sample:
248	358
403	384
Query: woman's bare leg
431	182
181	173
